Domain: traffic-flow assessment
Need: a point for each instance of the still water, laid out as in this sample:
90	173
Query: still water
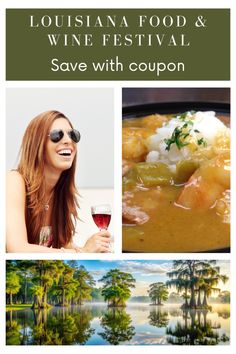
140	324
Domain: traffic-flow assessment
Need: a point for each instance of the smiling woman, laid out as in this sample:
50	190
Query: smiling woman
41	194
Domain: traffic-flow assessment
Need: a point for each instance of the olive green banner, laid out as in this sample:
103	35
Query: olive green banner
117	44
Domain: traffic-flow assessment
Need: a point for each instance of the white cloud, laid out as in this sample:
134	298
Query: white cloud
145	269
147	338
97	273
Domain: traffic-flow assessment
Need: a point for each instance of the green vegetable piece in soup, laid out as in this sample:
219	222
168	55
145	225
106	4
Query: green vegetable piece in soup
153	174
129	180
185	169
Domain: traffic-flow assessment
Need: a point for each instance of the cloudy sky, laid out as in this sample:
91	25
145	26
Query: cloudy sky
145	272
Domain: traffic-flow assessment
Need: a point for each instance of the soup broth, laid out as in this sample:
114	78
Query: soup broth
162	209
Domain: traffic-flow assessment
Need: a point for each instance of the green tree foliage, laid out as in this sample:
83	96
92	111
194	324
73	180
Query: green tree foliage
117	287
85	285
66	287
45	274
208	280
48	282
37	292
195	278
24	270
12	284
158	292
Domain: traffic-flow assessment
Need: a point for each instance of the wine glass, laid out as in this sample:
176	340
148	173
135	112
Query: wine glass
102	216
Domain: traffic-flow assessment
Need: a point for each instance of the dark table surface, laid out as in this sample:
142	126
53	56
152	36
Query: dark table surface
137	96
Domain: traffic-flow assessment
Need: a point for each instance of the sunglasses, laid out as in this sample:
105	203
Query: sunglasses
57	134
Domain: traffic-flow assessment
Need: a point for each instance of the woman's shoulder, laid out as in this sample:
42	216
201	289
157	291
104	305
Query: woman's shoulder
15	180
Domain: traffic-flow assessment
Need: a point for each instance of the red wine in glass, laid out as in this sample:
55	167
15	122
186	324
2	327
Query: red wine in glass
101	215
102	220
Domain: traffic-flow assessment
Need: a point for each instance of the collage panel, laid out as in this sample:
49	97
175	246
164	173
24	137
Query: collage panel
117	176
119	302
176	170
60	158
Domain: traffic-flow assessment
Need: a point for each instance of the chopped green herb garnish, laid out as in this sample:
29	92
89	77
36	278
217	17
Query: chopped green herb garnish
185	115
177	138
202	142
190	122
180	133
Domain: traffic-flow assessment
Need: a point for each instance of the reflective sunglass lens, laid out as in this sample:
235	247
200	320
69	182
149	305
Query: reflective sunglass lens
74	135
56	135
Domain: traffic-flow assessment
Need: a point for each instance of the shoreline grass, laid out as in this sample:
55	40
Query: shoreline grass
17	307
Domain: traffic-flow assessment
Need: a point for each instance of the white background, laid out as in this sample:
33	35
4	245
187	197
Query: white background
117	87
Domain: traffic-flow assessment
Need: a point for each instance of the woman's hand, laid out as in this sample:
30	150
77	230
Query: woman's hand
98	243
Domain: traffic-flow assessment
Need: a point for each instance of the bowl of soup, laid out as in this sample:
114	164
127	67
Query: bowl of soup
176	178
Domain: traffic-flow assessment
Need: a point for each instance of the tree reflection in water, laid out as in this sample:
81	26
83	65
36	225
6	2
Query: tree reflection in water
195	330
68	328
158	318
225	314
13	335
42	333
117	326
76	325
175	312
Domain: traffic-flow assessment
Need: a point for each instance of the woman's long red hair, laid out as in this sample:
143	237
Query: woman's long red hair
31	167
